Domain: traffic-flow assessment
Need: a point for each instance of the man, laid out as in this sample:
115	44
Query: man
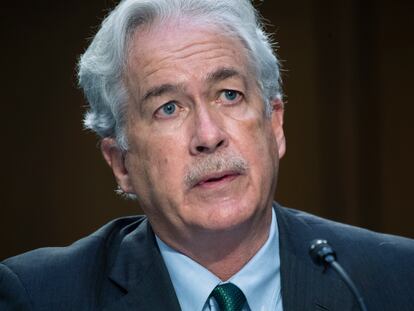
186	97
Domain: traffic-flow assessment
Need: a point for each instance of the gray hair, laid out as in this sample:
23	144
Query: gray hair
101	67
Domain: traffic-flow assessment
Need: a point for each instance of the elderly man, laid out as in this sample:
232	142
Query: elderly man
186	97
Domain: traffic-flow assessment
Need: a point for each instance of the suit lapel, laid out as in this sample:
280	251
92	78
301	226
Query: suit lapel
140	272
304	285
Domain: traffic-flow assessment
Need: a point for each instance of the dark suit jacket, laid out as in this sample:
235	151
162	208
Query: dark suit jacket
119	267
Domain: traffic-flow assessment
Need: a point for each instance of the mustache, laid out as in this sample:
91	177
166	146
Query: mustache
214	164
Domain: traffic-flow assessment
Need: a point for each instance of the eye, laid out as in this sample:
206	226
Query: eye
230	96
166	110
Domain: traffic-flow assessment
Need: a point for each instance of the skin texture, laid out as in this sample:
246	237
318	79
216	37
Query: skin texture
202	160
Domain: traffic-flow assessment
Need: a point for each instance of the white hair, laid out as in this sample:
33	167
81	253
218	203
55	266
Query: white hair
102	66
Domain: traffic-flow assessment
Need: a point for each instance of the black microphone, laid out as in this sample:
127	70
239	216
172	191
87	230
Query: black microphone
323	254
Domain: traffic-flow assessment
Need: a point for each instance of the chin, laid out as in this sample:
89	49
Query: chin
226	215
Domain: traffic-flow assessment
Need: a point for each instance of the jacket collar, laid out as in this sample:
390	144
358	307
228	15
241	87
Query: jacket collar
141	274
304	285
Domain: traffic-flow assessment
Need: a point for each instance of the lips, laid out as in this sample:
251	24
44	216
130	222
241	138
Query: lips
215	171
216	178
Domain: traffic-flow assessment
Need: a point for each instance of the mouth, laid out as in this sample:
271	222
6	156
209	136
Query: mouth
215	179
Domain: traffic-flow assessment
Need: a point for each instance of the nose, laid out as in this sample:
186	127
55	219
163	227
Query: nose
209	135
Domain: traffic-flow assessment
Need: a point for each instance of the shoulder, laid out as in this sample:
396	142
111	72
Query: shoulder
380	264
72	256
346	236
71	269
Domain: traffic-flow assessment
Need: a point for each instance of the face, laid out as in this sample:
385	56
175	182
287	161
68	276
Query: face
203	155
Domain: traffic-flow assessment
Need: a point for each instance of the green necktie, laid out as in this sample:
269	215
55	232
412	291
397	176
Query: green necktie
229	297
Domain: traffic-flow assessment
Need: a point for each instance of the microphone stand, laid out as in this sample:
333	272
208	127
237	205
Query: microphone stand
323	254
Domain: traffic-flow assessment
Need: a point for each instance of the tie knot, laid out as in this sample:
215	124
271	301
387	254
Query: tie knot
229	297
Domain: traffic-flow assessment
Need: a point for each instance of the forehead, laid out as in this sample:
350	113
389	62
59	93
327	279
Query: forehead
180	51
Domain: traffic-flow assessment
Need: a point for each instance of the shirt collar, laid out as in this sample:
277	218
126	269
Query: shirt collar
259	279
192	282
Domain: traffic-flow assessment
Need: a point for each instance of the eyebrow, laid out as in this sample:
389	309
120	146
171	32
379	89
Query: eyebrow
160	90
224	73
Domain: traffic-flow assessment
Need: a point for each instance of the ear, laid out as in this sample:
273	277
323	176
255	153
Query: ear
115	157
277	125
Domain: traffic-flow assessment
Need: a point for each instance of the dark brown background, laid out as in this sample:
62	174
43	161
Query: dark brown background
349	118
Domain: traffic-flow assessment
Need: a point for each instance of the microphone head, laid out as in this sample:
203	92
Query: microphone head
321	252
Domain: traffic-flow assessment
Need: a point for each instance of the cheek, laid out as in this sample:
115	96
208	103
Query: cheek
159	161
255	135
165	164
256	142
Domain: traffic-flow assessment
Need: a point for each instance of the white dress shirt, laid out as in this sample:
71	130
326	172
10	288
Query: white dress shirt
259	279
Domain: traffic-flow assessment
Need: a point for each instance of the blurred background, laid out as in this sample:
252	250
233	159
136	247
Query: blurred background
348	73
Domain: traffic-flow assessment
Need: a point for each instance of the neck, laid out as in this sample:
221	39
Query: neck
225	253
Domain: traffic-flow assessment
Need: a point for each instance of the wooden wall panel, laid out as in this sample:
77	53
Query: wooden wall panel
348	83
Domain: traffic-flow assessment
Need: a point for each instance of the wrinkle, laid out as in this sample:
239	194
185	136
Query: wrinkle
160	62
